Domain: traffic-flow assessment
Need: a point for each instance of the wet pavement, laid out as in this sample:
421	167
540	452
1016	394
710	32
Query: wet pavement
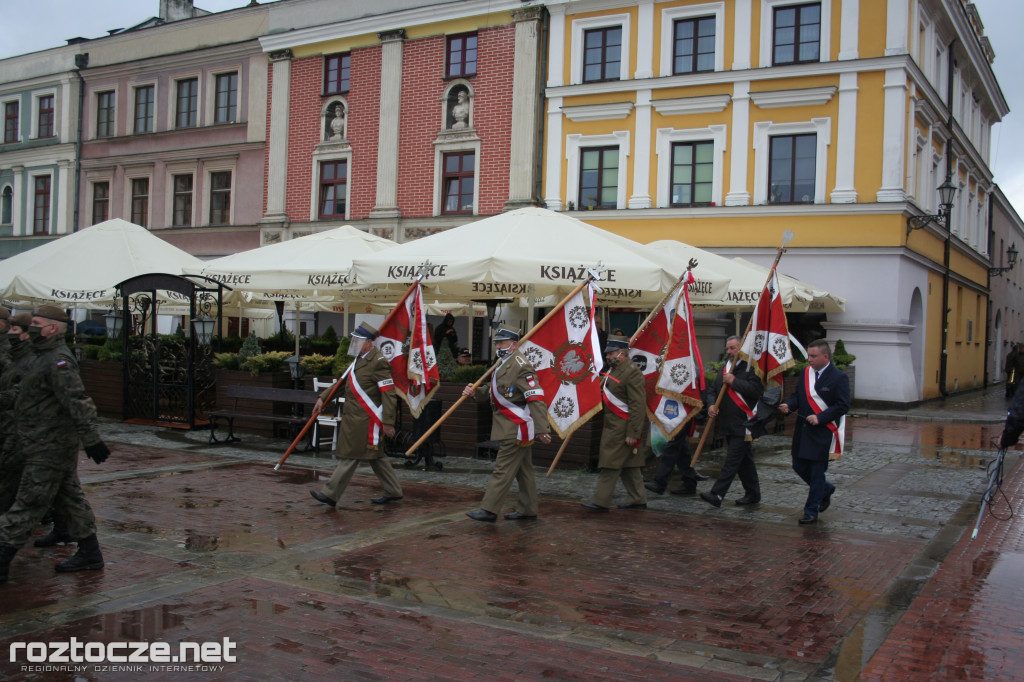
203	543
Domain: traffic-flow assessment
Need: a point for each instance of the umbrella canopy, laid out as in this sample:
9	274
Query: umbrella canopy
82	269
819	300
529	252
313	266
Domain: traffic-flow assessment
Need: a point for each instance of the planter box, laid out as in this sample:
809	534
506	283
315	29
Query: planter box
104	382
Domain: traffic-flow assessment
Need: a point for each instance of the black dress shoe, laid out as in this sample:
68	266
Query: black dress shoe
320	497
826	501
593	507
700	476
482	515
384	499
519	516
684	491
746	499
655	488
712	499
808	519
632	506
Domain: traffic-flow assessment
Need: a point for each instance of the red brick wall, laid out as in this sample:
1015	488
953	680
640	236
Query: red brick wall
363	126
492	114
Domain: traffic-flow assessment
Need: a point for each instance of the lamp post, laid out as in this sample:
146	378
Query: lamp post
203	328
947	190
1011	258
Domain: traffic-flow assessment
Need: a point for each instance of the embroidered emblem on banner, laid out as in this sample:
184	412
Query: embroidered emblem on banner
564	407
670	409
780	347
680	375
571	365
579	317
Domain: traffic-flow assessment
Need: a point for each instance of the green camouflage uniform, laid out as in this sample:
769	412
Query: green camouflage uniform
52	416
11	459
5	350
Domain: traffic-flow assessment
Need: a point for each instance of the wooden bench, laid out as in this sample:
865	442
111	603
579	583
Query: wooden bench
259	394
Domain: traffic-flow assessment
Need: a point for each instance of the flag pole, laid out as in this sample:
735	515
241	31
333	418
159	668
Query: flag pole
338	383
786	238
436	425
664	300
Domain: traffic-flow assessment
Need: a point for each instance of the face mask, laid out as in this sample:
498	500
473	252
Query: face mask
503	352
355	346
15	339
35	333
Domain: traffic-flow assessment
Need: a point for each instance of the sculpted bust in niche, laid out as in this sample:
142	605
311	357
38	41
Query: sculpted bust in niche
336	125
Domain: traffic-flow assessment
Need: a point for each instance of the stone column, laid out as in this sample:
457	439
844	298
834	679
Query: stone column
738	194
642	153
61	193
277	154
894	136
845	191
392	43
522	178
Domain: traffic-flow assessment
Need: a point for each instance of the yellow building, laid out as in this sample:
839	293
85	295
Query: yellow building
723	124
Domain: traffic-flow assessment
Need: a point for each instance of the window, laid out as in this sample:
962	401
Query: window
44	121
599	178
602	54
182	201
220	198
6	205
461	56
140	201
792	169
797	34
692	173
41	213
336	69
105	114
333	186
457	182
694	45
226	98
144	109
187	103
10	122
100	202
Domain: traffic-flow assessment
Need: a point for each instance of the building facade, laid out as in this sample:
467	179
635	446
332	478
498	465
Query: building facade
1006	281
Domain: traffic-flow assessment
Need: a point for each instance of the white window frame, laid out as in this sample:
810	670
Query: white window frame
30	227
765	130
580	26
320	157
3	113
574	143
768	33
179	169
211	94
92	180
172	104
442	148
36	96
94	110
668	22
134	86
126	204
665	137
209	167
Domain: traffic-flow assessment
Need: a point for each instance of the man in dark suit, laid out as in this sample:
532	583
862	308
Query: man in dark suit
743	392
821	400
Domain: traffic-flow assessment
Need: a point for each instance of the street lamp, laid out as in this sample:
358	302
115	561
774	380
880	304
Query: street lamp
203	327
1011	258
115	324
946	193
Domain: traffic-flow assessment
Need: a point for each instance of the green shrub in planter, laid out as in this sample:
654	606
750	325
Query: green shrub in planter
341	358
250	348
317	365
840	357
446	363
111	350
468	374
90	352
227	360
232	343
266	362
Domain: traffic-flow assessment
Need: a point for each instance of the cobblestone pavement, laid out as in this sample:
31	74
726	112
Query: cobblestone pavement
207	542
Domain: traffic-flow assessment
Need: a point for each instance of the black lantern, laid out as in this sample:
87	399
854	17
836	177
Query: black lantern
115	324
203	328
1011	258
947	190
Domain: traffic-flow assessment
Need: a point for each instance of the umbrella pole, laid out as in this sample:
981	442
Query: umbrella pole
436	425
344	318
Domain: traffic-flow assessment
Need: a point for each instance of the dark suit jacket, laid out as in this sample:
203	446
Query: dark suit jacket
812	442
730	417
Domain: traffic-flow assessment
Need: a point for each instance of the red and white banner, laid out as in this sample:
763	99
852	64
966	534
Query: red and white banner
666	353
766	346
413	367
563	352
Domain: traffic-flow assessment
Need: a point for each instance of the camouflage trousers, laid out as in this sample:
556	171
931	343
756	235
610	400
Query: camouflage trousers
11	465
43	485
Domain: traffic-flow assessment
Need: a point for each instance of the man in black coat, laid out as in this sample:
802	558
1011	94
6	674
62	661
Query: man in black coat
821	401
1014	422
743	389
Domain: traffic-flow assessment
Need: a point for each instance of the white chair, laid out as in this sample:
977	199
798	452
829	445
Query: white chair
330	417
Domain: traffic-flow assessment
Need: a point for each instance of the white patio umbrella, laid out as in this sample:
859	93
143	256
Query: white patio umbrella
527	253
817	300
81	269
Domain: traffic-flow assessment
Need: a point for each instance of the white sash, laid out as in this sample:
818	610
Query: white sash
375	411
838	430
517	414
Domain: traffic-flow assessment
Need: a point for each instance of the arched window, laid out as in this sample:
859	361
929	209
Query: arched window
6	205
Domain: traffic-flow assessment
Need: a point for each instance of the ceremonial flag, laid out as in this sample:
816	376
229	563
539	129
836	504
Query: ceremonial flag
413	367
766	346
666	353
563	353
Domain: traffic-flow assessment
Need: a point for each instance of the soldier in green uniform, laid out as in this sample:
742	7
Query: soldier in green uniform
11	459
519	413
624	415
370	407
52	416
5	344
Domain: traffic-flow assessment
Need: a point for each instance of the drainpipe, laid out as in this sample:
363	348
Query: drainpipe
988	308
949	229
81	62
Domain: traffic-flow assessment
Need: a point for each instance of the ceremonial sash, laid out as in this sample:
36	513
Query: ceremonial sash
736	397
517	414
617	406
835	450
375	412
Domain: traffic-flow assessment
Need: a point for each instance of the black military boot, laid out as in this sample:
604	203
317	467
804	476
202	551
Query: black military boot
87	558
7	553
58	535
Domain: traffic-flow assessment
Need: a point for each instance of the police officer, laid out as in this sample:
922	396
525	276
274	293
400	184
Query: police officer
370	408
52	416
520	414
11	460
624	415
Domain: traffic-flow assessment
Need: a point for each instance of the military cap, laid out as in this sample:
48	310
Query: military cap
5	314
505	335
365	331
23	320
51	312
615	343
